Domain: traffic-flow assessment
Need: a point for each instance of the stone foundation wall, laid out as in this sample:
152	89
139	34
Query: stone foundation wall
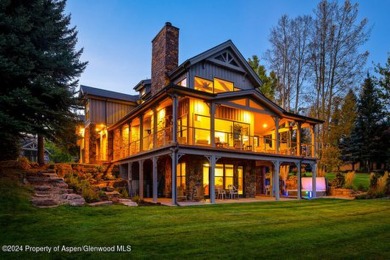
167	171
86	145
117	144
341	192
110	146
250	179
194	172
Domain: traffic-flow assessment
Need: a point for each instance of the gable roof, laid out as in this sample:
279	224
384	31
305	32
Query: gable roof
142	84
228	45
86	90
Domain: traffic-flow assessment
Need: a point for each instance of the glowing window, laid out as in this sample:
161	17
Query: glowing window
203	85
222	86
183	82
181	175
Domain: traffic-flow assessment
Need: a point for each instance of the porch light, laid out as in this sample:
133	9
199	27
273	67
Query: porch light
81	131
199	107
247	117
100	127
265	125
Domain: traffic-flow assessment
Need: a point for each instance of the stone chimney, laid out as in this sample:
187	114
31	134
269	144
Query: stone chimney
165	56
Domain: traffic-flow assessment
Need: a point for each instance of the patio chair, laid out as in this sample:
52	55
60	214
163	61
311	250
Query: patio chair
221	194
233	191
268	190
180	194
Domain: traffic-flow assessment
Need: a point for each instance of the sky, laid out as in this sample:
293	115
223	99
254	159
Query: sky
116	34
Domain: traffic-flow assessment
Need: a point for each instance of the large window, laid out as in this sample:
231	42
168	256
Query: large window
223	176
222	86
216	86
203	85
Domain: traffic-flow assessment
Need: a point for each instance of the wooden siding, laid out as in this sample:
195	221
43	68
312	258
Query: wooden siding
210	71
107	112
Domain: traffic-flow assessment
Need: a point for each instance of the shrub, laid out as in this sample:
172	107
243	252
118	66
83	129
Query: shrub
89	194
82	186
382	183
338	181
24	163
124	193
373	180
102	195
349	178
136	199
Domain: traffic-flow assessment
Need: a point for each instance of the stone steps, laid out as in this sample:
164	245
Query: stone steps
51	190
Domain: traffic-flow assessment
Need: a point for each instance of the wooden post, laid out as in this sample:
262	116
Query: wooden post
299	139
154	161
277	143
314	177
141	132
155	127
141	179
130	179
174	118
212	124
276	180
299	195
174	173
212	179
313	140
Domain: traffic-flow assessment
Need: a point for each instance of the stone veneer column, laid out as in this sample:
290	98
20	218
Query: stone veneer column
92	144
86	145
110	144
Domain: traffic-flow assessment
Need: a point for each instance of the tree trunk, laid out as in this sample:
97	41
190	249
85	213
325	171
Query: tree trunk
41	150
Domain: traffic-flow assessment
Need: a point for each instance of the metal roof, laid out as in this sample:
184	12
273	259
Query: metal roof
86	90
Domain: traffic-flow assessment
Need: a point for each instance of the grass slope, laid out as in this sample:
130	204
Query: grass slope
320	228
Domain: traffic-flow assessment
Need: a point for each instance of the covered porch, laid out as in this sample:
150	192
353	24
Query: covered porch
190	175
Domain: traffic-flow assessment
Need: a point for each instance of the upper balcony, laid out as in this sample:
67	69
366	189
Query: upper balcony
205	125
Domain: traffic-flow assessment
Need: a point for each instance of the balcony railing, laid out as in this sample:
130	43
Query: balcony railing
196	136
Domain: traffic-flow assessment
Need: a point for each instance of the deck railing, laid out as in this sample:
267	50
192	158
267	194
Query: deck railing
196	136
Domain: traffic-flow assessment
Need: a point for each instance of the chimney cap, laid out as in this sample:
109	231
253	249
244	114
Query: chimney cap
168	24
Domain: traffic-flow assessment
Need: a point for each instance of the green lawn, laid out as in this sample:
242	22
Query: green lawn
361	179
323	228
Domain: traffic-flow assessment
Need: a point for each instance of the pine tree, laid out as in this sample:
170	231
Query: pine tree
39	66
269	82
366	144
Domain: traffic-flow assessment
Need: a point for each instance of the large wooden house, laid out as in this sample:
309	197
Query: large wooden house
197	128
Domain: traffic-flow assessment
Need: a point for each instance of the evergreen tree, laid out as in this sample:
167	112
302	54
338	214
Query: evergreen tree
38	69
269	82
365	143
